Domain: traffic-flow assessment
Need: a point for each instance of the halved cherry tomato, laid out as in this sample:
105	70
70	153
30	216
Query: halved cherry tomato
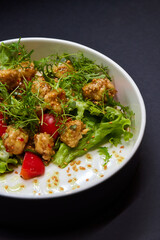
50	125
3	126
32	166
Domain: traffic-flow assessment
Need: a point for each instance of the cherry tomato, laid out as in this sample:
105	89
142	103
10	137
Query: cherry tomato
50	125
32	166
3	126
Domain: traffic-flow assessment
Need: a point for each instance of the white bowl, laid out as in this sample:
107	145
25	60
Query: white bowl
92	171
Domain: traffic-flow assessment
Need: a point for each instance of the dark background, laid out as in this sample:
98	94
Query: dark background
129	33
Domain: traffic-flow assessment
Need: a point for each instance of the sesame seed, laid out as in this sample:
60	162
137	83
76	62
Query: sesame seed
88	156
89	165
75	168
68	170
82	168
78	162
72	163
105	167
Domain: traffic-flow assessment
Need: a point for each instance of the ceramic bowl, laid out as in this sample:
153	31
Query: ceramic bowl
89	168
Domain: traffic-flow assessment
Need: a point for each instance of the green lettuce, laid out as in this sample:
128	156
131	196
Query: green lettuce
6	162
104	152
113	125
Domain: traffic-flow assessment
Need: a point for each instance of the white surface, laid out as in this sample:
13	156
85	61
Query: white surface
86	172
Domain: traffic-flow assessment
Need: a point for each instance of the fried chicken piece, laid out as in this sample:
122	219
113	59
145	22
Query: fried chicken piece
15	140
73	132
41	87
14	77
43	145
62	69
54	99
96	89
10	77
27	70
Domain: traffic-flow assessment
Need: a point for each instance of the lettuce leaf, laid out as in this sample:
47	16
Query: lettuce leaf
104	151
6	162
113	125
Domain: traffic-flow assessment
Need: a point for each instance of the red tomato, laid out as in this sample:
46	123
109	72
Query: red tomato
3	126
32	166
50	125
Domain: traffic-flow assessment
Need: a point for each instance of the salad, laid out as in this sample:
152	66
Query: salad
55	110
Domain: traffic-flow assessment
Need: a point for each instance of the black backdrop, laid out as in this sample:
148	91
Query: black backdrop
129	33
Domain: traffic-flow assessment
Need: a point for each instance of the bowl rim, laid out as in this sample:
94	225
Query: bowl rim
142	110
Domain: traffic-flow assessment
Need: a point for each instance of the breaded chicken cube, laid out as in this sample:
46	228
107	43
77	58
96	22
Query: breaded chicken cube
73	132
10	77
27	70
54	99
14	77
15	140
43	145
62	69
96	89
41	87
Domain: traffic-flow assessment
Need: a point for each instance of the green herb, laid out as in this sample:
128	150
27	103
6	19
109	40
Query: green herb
128	113
12	55
73	127
22	112
104	151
